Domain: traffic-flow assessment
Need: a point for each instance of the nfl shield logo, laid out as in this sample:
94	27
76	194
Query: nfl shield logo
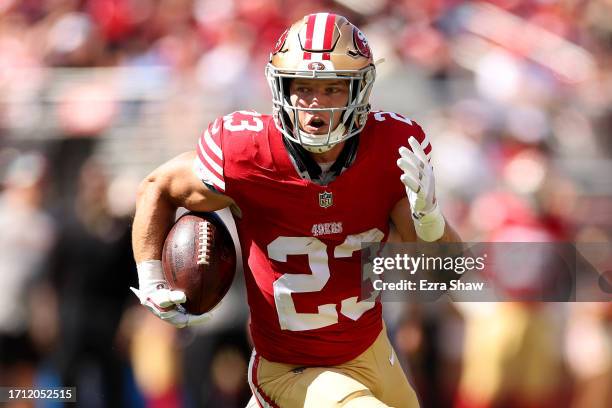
325	199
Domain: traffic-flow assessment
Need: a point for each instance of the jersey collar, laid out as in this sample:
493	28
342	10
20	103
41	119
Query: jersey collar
308	168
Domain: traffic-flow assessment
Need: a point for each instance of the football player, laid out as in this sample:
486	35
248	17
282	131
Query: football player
307	185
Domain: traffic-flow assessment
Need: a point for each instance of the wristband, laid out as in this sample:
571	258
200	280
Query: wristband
150	272
429	227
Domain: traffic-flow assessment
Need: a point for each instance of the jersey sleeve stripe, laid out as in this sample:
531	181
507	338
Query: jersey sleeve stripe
214	147
207	176
209	163
214	127
206	159
220	185
208	170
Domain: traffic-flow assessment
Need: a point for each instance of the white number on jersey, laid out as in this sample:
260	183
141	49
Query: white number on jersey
287	284
351	307
380	116
253	123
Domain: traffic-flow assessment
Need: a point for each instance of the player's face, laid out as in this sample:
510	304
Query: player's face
319	93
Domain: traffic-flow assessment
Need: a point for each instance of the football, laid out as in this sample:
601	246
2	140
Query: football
199	258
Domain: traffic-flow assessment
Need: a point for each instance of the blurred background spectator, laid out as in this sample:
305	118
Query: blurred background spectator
516	96
89	268
28	234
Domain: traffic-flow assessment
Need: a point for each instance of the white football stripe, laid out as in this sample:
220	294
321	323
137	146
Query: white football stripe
212	145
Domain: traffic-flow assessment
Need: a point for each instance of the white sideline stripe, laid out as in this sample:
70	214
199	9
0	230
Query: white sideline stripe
210	161
212	145
256	393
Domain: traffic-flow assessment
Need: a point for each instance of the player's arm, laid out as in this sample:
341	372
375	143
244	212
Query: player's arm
417	217
172	185
404	225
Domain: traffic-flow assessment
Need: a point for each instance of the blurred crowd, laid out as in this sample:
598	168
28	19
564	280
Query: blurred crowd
516	96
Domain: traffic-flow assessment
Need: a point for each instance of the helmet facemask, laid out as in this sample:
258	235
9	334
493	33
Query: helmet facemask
352	118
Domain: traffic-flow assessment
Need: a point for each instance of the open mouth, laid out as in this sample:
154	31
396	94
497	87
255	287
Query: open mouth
315	125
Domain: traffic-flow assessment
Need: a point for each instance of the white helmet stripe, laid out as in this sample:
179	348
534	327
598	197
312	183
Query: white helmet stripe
318	35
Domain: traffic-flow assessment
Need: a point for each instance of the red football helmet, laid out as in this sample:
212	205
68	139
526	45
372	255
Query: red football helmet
321	46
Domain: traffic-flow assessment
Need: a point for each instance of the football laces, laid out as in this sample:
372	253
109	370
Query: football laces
204	235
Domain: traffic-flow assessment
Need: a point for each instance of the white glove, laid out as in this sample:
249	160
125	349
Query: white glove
420	183
155	295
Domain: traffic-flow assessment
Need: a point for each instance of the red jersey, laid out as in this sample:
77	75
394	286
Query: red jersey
300	240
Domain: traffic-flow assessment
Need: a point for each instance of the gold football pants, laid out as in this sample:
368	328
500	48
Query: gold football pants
373	379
